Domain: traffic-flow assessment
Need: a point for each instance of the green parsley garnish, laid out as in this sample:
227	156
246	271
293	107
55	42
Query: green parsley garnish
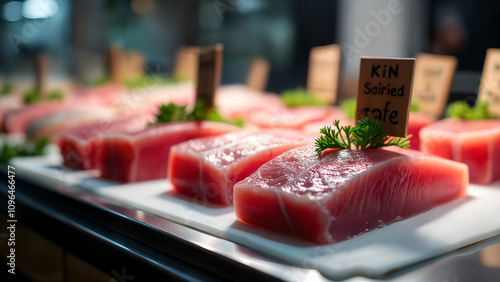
28	148
6	89
149	80
367	134
32	96
173	113
348	106
414	105
300	97
462	110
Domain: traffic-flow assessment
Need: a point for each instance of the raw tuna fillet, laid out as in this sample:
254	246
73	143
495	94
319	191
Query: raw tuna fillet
53	125
235	101
335	113
344	193
179	94
291	118
18	122
416	122
207	168
475	143
143	155
81	147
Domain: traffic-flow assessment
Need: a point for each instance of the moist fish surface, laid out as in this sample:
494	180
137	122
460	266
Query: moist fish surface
81	146
143	155
344	193
207	168
475	143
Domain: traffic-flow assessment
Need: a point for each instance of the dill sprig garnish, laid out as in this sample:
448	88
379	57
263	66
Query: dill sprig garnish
367	134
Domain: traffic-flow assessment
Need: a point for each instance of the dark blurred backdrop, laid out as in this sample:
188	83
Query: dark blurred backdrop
78	33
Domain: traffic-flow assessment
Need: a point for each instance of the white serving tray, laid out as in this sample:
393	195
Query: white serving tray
439	231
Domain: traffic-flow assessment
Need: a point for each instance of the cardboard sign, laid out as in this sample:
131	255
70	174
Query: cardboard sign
432	83
489	89
116	63
323	72
258	74
186	63
134	65
384	92
209	74
41	69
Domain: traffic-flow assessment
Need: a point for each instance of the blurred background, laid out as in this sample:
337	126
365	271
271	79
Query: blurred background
77	35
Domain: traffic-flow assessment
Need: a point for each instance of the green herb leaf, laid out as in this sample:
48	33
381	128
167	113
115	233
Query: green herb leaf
462	110
348	106
300	97
173	113
367	134
414	106
149	80
31	96
55	95
28	148
6	89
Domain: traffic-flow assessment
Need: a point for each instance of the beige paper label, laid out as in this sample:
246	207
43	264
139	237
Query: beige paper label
489	89
258	74
432	82
116	62
186	63
384	92
209	74
323	72
134	64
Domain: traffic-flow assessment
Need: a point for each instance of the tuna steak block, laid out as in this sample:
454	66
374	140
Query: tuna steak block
81	146
474	143
207	168
343	193
143	155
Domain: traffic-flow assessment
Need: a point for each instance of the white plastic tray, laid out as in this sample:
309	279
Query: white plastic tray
441	230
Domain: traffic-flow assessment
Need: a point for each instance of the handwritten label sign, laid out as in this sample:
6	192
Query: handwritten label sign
384	92
489	89
323	72
258	74
186	63
432	82
209	74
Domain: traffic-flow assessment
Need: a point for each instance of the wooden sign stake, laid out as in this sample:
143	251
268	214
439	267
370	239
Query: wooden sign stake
186	63
384	92
433	78
323	72
489	89
42	66
258	74
209	74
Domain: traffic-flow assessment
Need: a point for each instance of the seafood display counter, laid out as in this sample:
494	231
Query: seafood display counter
127	242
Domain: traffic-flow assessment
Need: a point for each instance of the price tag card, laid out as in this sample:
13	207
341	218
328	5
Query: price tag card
116	63
432	83
489	89
323	72
134	64
209	74
384	92
258	74
186	63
